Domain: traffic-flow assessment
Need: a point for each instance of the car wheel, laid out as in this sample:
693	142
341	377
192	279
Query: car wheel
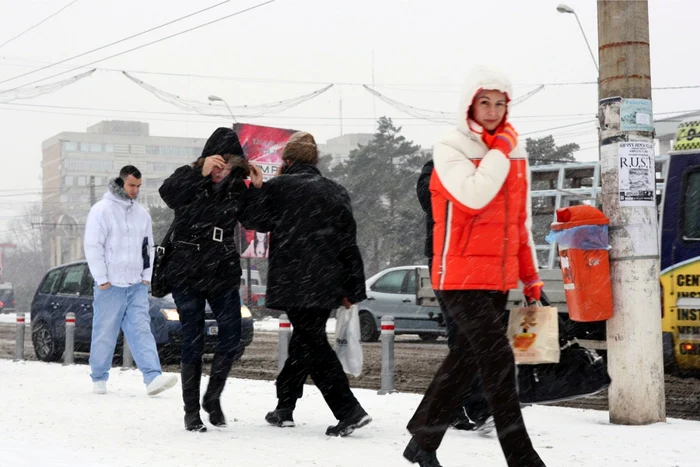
368	327
670	365
169	354
428	337
46	346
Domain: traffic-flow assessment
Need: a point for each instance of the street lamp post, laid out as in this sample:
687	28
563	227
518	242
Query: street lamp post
567	9
214	98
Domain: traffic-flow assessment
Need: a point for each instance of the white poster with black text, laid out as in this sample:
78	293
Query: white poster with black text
637	173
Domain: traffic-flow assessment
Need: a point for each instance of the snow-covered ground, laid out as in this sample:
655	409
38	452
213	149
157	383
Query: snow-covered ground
49	417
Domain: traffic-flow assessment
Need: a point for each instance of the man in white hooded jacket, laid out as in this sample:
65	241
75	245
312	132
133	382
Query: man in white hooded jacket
119	250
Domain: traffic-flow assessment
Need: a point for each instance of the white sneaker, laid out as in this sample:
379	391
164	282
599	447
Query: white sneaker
161	383
99	387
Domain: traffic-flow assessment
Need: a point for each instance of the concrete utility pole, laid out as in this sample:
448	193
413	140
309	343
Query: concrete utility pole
93	200
634	342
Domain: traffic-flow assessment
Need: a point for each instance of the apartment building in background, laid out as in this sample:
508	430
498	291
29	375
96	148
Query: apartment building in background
341	146
76	168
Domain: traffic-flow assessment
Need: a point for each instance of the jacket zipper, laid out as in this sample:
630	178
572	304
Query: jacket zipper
189	243
446	243
469	235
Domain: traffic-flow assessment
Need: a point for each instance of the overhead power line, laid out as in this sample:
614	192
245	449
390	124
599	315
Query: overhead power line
394	86
114	43
36	25
586	122
239	12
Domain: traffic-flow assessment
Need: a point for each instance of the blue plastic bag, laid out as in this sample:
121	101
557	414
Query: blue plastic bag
587	237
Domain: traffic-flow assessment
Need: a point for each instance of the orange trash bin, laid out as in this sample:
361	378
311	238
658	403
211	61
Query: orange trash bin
582	236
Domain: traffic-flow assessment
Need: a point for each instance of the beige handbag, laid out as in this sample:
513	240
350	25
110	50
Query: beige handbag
533	332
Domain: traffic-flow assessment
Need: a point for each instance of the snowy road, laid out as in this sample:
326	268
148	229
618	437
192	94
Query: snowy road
50	418
416	362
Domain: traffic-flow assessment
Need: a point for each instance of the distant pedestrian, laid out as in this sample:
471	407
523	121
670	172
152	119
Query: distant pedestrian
483	245
205	266
314	267
119	250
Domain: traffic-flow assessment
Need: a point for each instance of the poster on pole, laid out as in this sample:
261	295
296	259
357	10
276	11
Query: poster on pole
636	115
262	146
637	173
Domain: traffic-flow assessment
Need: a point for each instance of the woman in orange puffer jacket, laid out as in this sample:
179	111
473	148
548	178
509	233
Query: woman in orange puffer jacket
482	246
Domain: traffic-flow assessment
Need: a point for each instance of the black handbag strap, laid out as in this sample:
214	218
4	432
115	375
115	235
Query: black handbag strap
167	240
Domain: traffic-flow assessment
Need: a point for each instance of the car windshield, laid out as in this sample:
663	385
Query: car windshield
6	295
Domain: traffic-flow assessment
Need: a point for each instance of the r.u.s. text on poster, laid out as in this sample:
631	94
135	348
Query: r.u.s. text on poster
637	173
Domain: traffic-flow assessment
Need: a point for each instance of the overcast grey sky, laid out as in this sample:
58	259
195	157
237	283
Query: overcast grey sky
422	51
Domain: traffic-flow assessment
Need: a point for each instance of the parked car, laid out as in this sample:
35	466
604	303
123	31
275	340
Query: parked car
69	288
257	295
7	298
393	292
255	278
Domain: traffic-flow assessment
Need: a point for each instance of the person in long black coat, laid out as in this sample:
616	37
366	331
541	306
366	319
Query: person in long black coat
475	412
205	265
315	266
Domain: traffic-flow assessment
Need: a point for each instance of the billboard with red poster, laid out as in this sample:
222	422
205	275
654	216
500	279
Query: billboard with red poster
262	146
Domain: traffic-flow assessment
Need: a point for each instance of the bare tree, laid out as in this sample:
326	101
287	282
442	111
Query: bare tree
24	266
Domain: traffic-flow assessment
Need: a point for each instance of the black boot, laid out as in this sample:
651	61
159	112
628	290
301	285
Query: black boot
220	368
281	417
357	418
417	455
462	422
191	376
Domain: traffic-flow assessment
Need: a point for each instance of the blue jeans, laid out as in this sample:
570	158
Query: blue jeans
125	308
226	305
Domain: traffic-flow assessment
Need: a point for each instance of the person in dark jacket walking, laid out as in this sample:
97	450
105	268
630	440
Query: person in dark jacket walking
474	412
315	266
205	265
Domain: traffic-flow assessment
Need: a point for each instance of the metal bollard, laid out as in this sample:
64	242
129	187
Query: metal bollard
285	334
387	337
69	351
127	356
19	341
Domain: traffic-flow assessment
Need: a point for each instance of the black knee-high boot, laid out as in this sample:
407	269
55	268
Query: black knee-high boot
191	376
220	368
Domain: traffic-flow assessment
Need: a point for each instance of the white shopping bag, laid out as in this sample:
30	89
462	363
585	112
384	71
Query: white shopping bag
534	334
347	339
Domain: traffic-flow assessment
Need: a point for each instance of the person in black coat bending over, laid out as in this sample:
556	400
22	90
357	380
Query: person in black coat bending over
205	265
314	267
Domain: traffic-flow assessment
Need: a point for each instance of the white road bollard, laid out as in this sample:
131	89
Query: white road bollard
127	356
19	341
285	334
387	337
69	351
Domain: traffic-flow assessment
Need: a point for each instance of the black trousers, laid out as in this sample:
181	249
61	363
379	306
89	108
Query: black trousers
474	404
481	346
311	354
226	305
